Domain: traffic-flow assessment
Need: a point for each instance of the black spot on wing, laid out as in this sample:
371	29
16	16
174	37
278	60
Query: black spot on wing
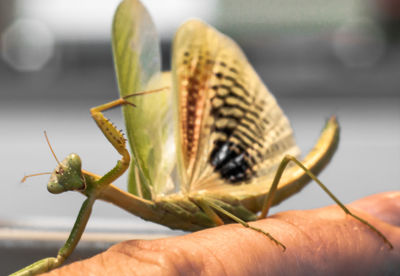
231	159
232	162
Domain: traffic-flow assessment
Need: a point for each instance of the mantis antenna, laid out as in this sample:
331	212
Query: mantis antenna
35	174
51	149
43	173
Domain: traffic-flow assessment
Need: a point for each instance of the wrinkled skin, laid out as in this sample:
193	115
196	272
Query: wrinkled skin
319	242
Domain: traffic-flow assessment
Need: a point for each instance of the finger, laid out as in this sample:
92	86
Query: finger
385	206
323	241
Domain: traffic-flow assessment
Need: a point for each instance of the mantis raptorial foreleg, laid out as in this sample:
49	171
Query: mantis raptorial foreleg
269	199
93	185
115	137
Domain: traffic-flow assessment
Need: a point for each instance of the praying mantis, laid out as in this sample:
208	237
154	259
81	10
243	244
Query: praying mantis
209	143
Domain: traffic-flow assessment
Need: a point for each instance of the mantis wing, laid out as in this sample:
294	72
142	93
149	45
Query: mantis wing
231	131
138	68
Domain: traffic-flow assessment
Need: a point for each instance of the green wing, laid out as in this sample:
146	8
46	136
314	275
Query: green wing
138	68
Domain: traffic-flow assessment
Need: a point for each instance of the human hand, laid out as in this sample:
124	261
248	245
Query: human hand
319	242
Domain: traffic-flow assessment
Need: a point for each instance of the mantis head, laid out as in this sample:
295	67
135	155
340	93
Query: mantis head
67	176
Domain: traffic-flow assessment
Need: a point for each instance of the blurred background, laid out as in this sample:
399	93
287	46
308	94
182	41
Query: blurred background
318	58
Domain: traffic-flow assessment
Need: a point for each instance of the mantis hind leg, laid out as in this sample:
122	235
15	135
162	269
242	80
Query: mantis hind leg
269	199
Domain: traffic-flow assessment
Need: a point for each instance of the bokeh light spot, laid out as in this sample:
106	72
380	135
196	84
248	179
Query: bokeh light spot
27	45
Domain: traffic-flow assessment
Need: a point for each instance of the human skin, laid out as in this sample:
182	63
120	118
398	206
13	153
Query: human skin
323	241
